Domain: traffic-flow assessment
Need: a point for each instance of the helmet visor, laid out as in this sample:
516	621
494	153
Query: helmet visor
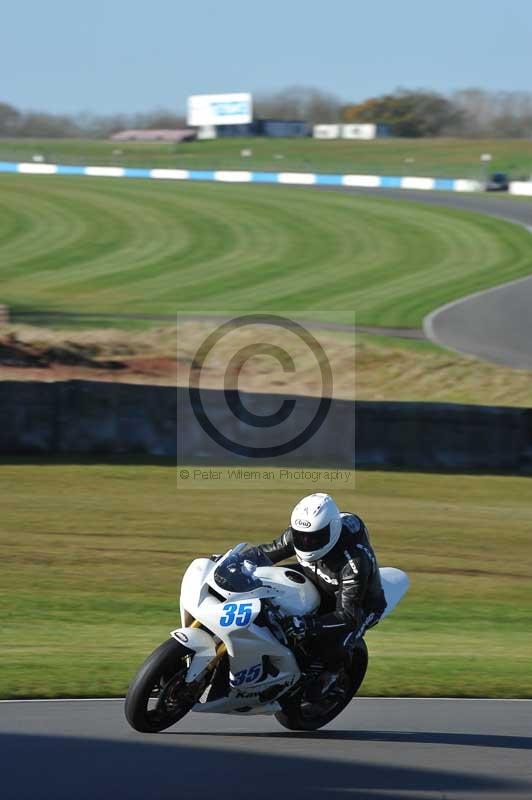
308	541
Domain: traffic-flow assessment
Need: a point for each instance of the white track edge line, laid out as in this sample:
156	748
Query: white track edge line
115	699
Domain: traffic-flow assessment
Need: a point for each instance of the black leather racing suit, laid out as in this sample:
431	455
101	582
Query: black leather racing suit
348	579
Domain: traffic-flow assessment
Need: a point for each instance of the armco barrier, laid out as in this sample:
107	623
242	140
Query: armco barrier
240	176
105	419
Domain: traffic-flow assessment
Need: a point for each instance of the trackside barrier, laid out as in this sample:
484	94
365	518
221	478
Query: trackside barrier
521	188
102	419
238	176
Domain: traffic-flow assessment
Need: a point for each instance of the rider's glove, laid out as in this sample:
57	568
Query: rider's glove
299	628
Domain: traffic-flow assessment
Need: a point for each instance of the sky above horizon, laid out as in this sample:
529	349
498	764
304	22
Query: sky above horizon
126	55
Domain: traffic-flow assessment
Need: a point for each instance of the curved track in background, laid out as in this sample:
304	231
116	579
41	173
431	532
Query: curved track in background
378	748
495	324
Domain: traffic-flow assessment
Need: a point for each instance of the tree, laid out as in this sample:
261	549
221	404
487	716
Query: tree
96	126
299	102
494	114
9	120
409	113
160	118
36	124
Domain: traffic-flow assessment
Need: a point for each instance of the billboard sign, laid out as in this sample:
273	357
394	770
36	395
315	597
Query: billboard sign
219	109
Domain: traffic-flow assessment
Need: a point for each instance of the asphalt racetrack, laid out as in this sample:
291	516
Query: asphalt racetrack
378	748
496	324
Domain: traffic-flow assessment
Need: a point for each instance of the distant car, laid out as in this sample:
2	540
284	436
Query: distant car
497	182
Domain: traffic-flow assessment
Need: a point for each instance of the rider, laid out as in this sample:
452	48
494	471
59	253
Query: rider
334	552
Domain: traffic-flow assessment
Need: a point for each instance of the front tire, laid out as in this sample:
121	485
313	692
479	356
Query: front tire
160	681
299	716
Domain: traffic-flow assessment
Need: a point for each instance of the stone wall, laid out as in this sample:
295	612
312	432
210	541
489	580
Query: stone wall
96	418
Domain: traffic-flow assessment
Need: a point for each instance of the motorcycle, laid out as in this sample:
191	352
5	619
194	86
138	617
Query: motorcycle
232	656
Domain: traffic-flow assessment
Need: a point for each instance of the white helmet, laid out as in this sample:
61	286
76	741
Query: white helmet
316	525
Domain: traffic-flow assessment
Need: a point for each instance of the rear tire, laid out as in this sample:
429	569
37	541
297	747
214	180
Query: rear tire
162	676
296	717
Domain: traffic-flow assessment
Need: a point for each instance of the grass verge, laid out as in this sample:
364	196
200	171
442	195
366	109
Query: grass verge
442	157
92	555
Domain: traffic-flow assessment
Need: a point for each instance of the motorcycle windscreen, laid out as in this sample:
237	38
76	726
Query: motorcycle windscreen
236	572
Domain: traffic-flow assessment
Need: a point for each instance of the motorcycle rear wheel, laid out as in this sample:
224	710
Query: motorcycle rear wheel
160	680
298	716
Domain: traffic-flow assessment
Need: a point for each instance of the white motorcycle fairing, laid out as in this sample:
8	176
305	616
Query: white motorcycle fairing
202	646
258	662
395	585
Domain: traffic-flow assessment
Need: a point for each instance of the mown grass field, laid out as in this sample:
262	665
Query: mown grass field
92	556
104	245
458	158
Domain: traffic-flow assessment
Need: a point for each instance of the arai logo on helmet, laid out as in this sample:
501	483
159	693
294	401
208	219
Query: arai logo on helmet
302	523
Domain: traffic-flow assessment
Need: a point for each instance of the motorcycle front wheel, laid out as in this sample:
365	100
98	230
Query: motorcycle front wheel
298	715
158	696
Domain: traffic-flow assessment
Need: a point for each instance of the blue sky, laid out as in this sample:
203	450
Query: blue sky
125	55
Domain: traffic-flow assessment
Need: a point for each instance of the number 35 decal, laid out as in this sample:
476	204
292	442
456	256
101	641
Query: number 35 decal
249	675
236	614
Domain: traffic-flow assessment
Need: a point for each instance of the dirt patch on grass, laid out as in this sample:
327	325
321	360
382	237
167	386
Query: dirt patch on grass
28	353
17	353
362	369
